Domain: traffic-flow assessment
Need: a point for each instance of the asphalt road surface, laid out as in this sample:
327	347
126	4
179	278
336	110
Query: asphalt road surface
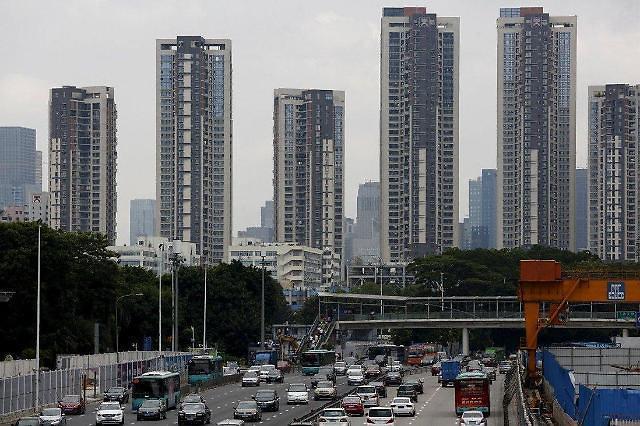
434	407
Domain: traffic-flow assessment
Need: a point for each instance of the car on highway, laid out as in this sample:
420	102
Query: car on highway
380	388
325	390
297	393
255	368
268	400
353	405
350	360
381	416
192	398
393	378
355	367
231	422
194	413
264	371
334	415
402	406
117	393
408	391
369	395
340	368
324	373
435	368
275	376
72	404
53	417
373	370
247	410
396	366
417	383
490	372
472	418
152	409
504	366
250	378
28	421
109	413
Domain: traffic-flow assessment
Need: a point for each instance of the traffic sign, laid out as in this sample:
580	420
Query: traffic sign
626	315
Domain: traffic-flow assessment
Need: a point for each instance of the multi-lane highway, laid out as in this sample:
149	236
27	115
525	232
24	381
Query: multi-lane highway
434	407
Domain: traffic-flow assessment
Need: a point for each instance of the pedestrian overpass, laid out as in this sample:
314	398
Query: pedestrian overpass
365	311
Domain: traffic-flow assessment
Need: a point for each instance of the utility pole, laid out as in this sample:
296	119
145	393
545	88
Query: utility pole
177	296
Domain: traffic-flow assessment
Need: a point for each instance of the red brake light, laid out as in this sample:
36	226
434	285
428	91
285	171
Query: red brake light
390	421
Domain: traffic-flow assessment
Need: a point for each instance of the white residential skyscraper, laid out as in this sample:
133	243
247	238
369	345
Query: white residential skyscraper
82	160
536	128
418	133
308	153
194	143
614	131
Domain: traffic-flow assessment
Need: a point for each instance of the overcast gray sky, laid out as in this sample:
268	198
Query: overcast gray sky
328	44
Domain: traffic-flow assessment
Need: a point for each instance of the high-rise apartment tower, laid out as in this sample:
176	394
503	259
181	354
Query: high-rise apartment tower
18	164
194	143
308	154
82	160
418	133
536	128
614	202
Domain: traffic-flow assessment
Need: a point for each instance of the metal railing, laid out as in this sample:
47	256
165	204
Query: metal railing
514	403
17	393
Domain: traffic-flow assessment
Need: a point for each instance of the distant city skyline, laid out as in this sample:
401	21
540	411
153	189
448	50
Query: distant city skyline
341	36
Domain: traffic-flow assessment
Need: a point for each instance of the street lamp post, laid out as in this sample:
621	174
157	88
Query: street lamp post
118	299
262	305
204	319
161	247
38	326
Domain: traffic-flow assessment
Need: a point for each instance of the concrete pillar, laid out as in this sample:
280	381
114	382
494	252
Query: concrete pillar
465	341
625	332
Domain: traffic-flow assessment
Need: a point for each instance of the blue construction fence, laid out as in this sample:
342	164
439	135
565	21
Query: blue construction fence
590	407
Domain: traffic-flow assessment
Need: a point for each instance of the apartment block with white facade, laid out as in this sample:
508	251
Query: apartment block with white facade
614	132
157	254
536	125
419	120
194	143
297	268
308	147
82	160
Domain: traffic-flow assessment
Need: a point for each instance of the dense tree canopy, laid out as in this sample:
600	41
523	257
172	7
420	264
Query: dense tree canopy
79	286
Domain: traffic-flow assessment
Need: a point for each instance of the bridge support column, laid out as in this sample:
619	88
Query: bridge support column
465	341
625	332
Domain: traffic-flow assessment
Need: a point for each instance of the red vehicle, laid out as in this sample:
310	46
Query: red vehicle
72	404
353	405
419	352
472	390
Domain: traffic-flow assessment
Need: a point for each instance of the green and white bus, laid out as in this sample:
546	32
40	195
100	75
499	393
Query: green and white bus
312	360
156	385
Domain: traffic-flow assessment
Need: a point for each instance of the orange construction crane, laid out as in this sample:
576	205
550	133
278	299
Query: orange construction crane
541	281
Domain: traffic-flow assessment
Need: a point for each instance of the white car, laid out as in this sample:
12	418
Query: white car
255	368
368	395
340	368
334	415
110	413
250	378
297	393
381	416
52	417
474	418
355	377
354	368
402	406
264	371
